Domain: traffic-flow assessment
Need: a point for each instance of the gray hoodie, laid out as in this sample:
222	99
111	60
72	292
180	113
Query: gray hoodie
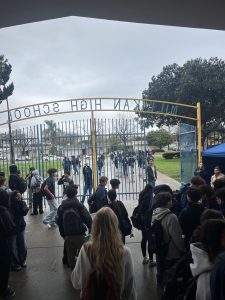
34	180
172	232
201	267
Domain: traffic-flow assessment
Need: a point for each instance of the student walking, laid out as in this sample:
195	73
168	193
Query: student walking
35	186
18	209
104	269
49	190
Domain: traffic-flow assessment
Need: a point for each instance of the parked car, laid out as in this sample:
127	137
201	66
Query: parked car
23	158
52	158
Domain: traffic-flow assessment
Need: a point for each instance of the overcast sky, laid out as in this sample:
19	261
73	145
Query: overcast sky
80	57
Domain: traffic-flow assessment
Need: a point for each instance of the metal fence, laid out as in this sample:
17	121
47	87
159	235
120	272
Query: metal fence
47	145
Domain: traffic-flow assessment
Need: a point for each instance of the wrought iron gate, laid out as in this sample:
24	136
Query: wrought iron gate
48	145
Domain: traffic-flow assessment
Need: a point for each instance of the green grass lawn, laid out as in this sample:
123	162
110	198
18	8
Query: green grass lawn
25	166
170	167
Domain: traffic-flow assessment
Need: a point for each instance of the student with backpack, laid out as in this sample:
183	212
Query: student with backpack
165	236
65	181
7	230
73	222
35	186
121	213
104	269
48	188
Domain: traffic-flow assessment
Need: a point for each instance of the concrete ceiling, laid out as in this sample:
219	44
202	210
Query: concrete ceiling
185	13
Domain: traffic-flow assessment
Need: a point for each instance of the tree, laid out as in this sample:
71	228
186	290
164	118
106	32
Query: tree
198	80
51	134
159	138
5	71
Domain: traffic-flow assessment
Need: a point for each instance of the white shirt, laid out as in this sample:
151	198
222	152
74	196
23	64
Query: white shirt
82	270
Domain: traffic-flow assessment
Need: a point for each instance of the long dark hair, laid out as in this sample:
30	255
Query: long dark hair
211	237
148	190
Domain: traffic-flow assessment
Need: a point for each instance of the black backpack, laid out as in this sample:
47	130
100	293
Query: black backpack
42	190
156	238
72	223
180	285
137	218
92	203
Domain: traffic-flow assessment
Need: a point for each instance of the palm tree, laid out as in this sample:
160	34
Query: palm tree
51	133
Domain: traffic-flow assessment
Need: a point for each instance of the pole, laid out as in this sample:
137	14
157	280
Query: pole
93	150
199	130
12	155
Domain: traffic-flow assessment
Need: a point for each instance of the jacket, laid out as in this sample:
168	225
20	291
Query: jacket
172	232
201	268
217	281
84	214
192	212
83	268
151	176
17	183
19	209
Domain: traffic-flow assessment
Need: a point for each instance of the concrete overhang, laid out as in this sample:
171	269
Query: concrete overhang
188	13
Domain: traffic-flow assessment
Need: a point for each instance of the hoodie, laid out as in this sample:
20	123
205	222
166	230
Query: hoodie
36	181
172	232
201	269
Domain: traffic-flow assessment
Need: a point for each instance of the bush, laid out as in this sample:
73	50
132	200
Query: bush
171	154
157	150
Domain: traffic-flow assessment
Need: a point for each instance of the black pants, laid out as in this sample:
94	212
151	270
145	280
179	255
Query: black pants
5	263
37	203
144	242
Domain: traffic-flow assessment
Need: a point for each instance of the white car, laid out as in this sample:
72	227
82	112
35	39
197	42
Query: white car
23	158
52	158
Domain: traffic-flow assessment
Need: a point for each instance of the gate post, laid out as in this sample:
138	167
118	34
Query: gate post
93	150
199	130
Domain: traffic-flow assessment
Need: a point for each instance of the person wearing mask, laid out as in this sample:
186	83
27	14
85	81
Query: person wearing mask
73	221
121	213
49	189
189	217
65	181
87	172
29	191
217	175
101	193
16	183
204	254
151	172
104	269
145	203
7	230
172	235
35	186
18	209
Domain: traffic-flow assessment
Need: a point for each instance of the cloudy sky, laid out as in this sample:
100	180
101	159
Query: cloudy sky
80	57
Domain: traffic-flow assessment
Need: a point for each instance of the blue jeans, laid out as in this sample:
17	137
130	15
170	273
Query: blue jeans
86	188
19	249
50	218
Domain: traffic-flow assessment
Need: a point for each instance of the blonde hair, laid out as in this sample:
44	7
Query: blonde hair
107	247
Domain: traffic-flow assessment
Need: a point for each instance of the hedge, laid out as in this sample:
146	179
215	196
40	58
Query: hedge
171	154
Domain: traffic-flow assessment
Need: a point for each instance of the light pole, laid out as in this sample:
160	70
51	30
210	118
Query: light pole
12	155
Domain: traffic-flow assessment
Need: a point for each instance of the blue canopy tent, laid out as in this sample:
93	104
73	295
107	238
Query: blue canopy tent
212	157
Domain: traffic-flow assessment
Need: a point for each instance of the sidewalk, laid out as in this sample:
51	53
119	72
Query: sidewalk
45	277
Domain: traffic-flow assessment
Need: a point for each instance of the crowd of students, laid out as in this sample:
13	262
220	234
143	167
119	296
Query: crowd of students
183	234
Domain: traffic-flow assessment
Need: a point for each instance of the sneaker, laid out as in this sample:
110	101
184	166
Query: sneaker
145	260
53	225
152	263
49	226
8	294
41	212
34	213
24	265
